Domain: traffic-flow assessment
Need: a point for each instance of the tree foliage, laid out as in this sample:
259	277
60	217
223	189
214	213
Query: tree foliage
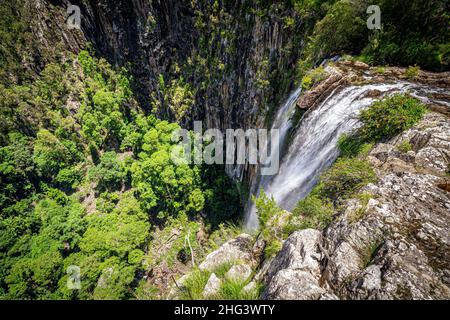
84	186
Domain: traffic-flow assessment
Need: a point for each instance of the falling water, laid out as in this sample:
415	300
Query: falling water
283	123
314	144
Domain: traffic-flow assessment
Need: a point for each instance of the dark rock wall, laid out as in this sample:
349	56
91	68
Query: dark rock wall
238	56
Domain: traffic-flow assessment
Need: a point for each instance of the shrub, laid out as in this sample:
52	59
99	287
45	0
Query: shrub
312	77
146	291
272	248
50	154
338	183
266	208
380	70
341	30
109	172
233	290
193	286
404	146
344	178
390	116
314	211
412	72
363	201
369	253
288	22
69	178
222	269
269	222
353	145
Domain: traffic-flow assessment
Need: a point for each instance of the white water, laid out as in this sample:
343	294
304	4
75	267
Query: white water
314	146
283	123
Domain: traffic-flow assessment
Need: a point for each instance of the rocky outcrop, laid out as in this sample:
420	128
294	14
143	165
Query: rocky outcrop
239	256
395	245
295	273
237	249
335	78
342	73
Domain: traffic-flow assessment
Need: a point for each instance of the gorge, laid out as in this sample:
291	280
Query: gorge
359	208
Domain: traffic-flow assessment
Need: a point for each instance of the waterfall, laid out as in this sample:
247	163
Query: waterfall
283	123
314	144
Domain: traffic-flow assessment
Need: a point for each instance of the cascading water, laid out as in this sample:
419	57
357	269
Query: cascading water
283	123
314	145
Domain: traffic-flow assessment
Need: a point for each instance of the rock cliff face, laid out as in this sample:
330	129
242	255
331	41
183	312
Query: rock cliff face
238	57
151	37
395	246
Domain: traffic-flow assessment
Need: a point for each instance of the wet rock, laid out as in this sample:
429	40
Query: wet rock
361	65
373	93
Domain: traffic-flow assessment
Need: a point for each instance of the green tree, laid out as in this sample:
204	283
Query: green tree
109	173
17	170
50	154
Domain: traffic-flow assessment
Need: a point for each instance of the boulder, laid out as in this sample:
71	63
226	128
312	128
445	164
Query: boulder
251	286
299	251
295	271
212	287
360	65
238	249
239	273
320	91
290	284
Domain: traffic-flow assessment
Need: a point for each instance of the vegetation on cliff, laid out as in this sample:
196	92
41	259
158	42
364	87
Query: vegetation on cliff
87	179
